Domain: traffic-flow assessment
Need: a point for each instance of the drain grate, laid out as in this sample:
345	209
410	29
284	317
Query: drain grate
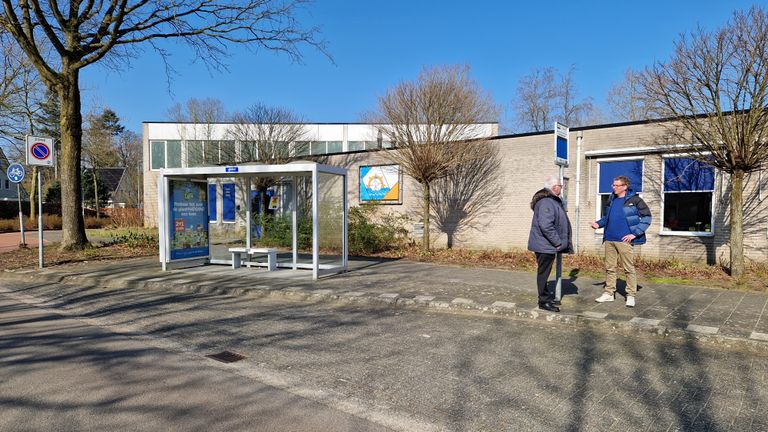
226	357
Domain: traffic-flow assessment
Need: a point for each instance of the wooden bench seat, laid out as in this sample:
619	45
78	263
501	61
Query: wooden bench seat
238	252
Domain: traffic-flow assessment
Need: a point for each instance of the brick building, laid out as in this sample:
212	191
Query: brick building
689	201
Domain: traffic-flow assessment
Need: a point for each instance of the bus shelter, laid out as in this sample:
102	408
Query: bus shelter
310	201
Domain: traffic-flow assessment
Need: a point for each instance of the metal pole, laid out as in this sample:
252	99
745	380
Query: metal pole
40	217
21	216
559	262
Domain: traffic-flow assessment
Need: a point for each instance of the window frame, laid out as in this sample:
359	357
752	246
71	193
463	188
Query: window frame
599	200
662	231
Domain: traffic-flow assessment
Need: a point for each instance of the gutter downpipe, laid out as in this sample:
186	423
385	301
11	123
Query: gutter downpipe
579	138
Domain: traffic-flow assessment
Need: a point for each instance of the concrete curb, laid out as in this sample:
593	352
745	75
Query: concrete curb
756	343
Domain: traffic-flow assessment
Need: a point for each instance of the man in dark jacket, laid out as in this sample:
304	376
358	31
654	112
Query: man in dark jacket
625	222
550	234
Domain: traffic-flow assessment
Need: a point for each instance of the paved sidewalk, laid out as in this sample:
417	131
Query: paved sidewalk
710	314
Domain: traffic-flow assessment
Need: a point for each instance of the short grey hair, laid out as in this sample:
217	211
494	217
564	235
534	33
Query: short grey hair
551	181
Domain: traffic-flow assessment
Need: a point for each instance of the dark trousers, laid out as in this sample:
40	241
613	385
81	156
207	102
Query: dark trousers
544	262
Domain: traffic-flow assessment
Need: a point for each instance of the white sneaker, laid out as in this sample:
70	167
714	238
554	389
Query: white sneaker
630	301
605	298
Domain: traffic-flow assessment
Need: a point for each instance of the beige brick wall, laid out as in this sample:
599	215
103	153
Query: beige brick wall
528	160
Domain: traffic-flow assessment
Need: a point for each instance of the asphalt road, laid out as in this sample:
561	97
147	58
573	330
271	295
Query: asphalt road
398	369
63	374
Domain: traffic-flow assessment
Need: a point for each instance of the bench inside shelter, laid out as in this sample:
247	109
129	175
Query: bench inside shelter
238	252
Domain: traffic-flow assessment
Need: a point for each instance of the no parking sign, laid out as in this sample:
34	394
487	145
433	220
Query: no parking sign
40	151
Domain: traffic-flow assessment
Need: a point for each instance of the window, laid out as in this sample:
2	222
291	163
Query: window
173	151
195	153
228	202
334	147
688	189
227	152
631	169
211	150
301	148
355	145
212	215
157	152
317	147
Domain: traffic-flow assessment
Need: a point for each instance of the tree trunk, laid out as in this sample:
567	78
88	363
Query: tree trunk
425	209
737	223
73	226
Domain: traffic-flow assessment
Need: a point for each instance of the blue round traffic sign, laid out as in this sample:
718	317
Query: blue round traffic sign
40	151
15	172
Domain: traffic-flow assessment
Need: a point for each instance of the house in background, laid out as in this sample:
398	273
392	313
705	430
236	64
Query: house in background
8	190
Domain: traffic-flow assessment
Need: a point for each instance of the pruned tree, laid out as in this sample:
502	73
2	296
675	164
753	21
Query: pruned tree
716	86
267	135
626	99
111	32
472	190
543	97
429	121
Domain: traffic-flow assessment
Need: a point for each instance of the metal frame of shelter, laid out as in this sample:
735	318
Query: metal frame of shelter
293	171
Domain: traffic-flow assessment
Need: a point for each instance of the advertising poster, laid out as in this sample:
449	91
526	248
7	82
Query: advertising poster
380	184
189	219
228	202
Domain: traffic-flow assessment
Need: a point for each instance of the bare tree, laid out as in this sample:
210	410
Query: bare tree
626	99
472	190
427	120
111	32
21	101
197	119
543	97
716	85
268	135
99	148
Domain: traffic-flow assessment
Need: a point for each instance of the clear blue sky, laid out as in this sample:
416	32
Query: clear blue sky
376	44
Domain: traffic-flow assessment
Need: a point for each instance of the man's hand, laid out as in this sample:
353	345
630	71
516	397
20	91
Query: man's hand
628	238
594	225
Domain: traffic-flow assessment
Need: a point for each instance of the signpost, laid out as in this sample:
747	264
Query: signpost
15	174
561	160
40	153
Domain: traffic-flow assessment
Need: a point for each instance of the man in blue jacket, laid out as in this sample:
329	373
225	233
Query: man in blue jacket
550	234
625	223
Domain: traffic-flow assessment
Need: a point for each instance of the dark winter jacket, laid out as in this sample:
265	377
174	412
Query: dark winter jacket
550	227
637	213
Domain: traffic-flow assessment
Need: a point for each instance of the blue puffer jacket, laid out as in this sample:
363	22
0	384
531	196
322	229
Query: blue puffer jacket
637	213
550	226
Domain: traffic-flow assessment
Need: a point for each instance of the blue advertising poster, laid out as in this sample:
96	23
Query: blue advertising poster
228	202
189	219
212	202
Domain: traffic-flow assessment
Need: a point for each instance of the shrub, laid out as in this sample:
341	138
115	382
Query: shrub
134	238
371	233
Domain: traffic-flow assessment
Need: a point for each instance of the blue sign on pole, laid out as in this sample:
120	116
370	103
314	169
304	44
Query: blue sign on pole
15	172
561	144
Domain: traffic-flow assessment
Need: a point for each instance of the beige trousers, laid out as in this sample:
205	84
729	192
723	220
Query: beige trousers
620	253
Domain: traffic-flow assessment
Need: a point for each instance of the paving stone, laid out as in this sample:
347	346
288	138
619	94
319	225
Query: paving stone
702	329
645	322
